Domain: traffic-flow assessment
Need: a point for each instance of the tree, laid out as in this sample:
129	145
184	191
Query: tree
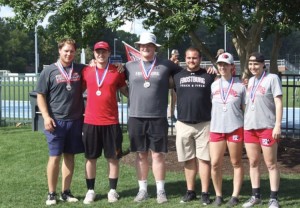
248	21
16	48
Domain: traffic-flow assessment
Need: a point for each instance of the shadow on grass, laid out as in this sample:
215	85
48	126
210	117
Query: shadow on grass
288	193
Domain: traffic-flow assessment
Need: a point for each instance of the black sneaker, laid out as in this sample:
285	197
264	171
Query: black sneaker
51	199
205	198
173	119
233	202
189	196
68	197
218	201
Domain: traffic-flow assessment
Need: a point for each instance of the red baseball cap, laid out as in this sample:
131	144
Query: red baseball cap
102	45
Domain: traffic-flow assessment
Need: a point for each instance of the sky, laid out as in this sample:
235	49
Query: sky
6	12
131	27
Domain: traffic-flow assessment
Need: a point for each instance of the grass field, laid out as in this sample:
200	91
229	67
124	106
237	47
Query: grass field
16	90
291	95
24	156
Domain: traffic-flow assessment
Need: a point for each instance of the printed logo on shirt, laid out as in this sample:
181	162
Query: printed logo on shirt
192	81
266	141
260	89
235	137
232	92
153	73
75	77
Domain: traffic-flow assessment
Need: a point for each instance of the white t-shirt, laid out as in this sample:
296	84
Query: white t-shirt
227	117
261	114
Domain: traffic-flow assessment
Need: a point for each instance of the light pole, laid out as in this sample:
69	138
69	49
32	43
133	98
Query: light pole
225	38
82	55
115	39
168	36
261	40
36	49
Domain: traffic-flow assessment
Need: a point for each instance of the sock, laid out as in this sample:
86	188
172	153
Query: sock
274	195
90	183
143	185
160	186
256	193
113	183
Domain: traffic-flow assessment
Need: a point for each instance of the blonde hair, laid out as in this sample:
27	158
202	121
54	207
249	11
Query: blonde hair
65	41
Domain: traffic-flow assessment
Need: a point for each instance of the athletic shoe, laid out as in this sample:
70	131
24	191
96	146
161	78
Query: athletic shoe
142	195
233	202
251	202
89	197
173	119
161	197
218	201
205	198
189	196
51	199
273	203
112	196
67	196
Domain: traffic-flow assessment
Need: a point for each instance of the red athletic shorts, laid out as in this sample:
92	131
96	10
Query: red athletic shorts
262	136
235	136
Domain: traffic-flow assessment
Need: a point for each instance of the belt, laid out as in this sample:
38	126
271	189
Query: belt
191	122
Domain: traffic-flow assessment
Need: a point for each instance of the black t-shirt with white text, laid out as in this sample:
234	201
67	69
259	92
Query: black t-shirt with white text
193	91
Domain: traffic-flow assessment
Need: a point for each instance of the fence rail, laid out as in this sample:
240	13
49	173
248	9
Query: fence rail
291	101
15	105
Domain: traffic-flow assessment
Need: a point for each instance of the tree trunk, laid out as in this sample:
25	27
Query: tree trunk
274	54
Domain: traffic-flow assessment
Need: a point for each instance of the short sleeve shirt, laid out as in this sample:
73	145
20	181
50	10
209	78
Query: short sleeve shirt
227	114
102	109
152	101
193	95
62	104
261	113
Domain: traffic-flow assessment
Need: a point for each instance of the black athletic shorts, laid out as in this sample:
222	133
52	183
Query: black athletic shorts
148	133
109	138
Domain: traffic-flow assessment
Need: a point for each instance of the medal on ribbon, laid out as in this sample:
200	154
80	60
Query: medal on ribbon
100	80
224	95
254	89
147	73
67	76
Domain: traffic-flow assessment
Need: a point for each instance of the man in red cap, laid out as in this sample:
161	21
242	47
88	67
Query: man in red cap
101	128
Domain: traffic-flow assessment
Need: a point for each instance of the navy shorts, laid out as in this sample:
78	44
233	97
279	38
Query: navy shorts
148	133
66	137
109	138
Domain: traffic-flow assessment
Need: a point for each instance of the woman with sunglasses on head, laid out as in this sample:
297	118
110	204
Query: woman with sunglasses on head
262	127
226	130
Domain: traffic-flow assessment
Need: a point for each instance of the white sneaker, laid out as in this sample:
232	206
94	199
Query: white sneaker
251	202
89	197
112	196
141	196
51	199
273	203
161	197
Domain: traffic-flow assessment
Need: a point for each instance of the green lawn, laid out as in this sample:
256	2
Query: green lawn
291	95
24	156
18	90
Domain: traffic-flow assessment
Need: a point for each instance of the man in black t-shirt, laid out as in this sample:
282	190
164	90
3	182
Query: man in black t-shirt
193	123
